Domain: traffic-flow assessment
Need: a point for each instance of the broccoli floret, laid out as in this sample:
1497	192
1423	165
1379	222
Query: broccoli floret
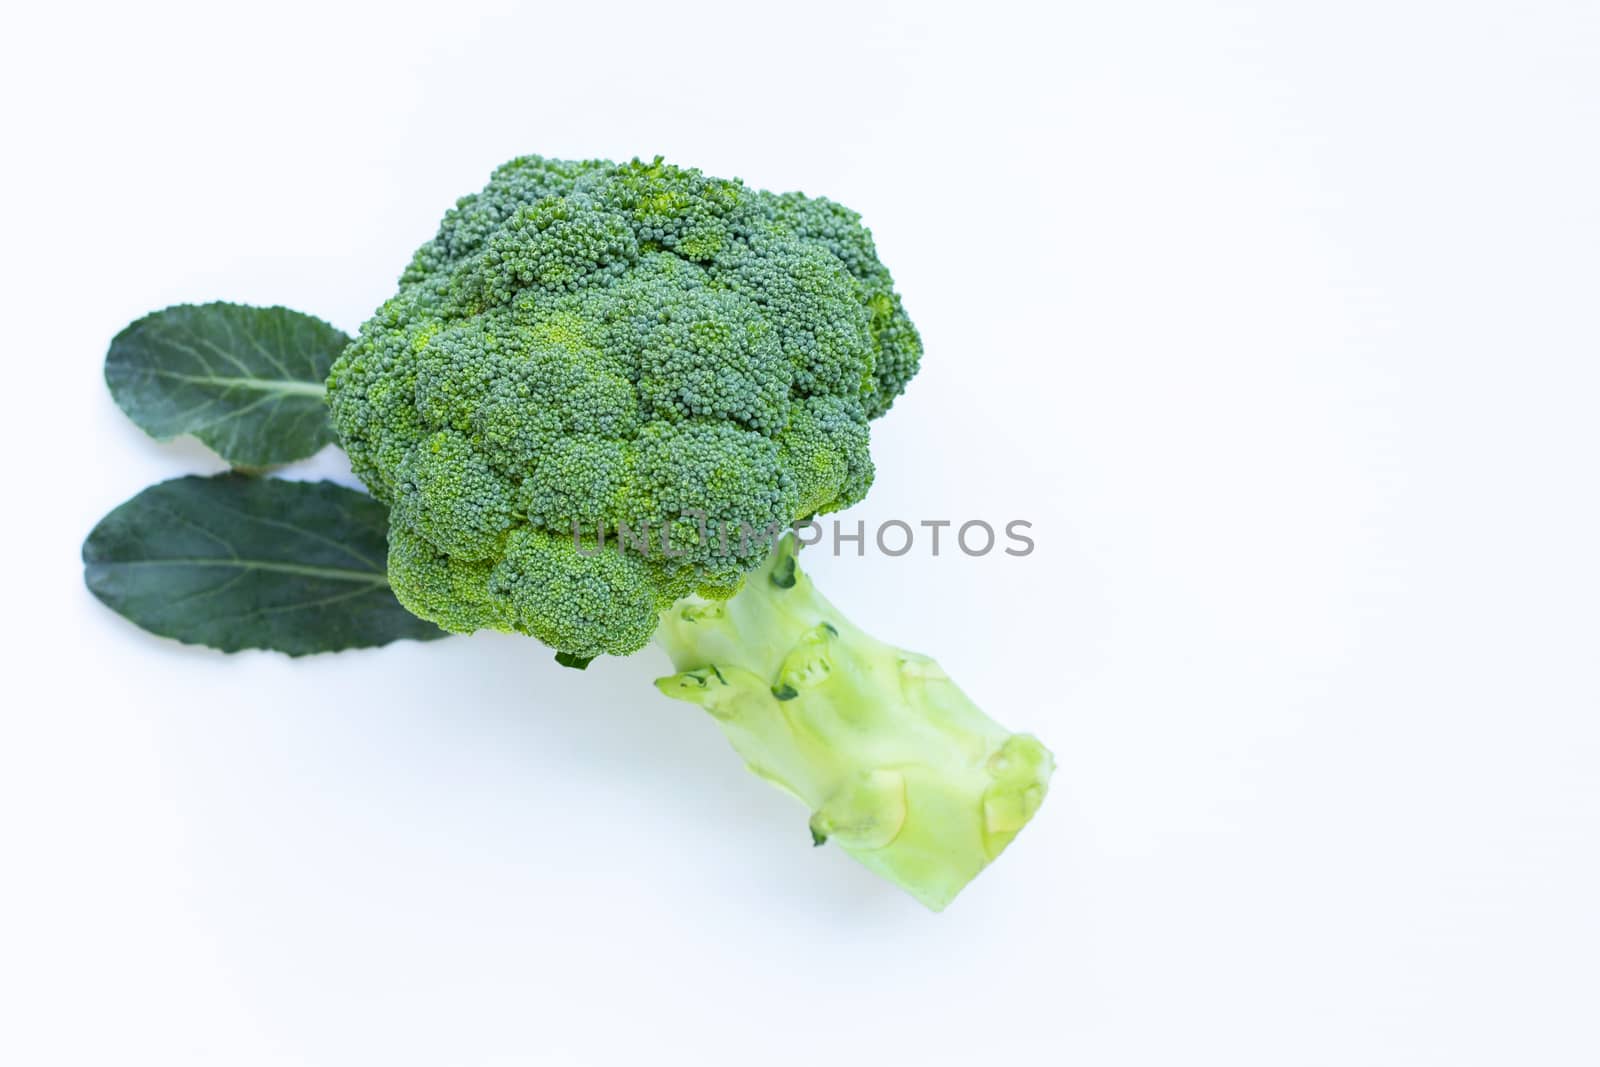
586	350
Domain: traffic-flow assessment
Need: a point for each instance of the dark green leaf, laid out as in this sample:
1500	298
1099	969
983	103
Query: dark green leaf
247	381
577	663
237	562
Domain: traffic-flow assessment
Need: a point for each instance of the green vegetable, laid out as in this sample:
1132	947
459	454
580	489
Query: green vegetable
247	381
598	397
235	562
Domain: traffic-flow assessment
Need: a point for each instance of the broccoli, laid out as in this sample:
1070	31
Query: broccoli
598	402
588	349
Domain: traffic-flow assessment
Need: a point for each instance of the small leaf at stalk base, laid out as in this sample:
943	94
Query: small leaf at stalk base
785	692
782	574
577	663
818	839
867	811
236	562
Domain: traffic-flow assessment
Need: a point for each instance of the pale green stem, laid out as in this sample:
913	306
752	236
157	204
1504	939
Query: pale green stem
896	764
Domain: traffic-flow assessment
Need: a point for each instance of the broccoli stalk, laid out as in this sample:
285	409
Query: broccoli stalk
897	765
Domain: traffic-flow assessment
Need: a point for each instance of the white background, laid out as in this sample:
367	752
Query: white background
1277	319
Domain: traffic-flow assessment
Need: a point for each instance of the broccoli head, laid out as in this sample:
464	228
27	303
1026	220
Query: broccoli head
589	353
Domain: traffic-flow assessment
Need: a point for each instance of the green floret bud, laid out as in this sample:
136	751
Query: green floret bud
717	474
825	451
452	498
555	243
713	355
584	600
579	481
451	592
896	765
